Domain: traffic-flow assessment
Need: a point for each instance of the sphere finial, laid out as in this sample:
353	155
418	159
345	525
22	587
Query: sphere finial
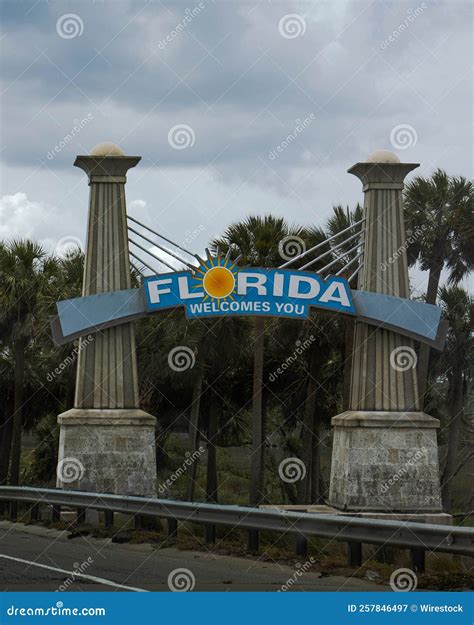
107	149
383	156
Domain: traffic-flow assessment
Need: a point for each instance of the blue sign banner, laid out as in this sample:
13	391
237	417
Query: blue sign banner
219	288
234	608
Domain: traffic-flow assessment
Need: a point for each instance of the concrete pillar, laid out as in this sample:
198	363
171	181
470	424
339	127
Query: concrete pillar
385	455
107	444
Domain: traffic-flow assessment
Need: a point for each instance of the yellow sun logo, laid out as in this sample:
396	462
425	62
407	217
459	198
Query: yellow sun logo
216	276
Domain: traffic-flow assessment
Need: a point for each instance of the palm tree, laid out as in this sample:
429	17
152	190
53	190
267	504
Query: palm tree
456	365
257	240
439	218
340	221
28	278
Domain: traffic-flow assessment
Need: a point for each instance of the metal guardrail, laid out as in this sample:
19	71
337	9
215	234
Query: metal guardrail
418	537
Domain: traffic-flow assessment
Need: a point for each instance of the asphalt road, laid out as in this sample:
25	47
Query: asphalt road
34	558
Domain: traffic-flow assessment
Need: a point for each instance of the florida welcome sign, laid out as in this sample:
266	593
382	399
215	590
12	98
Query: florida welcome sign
217	287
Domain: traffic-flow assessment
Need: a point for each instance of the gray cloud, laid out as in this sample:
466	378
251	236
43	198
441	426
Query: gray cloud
243	88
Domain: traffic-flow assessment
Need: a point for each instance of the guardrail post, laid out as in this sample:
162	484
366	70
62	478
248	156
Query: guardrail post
210	533
80	516
172	528
35	512
108	518
13	510
56	514
252	544
301	545
138	521
354	554
417	557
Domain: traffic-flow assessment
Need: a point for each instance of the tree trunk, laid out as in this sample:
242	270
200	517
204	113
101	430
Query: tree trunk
424	352
19	374
6	446
211	476
306	487
257	466
194	433
457	402
317	486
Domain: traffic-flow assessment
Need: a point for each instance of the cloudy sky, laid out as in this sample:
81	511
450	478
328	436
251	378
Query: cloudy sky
207	93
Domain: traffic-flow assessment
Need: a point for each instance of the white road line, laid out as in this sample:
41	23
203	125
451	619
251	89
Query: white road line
92	578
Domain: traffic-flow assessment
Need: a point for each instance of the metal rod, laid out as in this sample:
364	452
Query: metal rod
162	237
336	260
142	262
330	251
351	262
160	247
136	268
152	255
315	247
356	272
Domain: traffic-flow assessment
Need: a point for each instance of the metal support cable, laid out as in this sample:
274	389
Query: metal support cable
352	276
162	237
152	255
351	262
328	240
336	260
142	262
330	251
160	247
134	267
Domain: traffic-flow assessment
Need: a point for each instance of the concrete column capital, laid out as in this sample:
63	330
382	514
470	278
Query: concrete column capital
106	168
383	174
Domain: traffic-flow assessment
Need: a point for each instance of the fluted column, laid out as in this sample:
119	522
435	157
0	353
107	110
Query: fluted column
378	383
385	454
106	443
107	368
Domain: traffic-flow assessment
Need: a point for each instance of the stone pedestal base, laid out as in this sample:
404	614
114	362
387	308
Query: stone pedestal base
107	451
385	462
